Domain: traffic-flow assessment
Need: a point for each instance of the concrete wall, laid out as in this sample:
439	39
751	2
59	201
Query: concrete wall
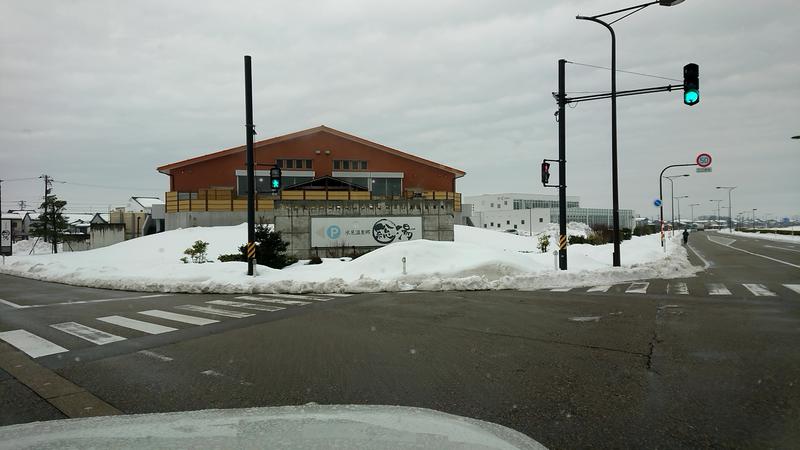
102	235
524	220
293	219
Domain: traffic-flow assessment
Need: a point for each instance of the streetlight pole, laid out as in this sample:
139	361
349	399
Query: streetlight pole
730	206
672	194
661	198
754	217
692	205
614	174
718	201
679	208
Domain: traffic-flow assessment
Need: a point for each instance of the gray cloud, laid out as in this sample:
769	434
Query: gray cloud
103	92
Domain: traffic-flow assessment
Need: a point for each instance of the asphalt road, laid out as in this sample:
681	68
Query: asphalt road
657	364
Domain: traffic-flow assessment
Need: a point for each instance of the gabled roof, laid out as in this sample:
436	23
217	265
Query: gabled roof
147	202
326	183
165	169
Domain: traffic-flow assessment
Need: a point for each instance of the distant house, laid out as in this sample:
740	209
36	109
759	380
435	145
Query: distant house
138	216
143	204
18	221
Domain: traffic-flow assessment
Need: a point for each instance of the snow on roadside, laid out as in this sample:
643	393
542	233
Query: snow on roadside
766	236
478	260
24	247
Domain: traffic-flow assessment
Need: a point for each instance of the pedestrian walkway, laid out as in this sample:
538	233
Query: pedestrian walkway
684	288
107	330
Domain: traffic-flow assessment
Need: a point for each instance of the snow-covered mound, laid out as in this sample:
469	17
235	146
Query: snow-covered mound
479	259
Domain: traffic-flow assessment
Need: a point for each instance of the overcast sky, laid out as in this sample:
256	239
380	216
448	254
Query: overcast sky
100	93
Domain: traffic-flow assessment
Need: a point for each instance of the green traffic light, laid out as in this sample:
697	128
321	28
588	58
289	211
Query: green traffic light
276	184
691	97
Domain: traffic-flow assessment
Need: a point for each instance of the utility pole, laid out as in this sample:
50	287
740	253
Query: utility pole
251	181
562	168
692	206
718	201
22	204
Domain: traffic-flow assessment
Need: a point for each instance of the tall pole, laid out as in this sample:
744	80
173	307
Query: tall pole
562	167
730	212
251	181
672	204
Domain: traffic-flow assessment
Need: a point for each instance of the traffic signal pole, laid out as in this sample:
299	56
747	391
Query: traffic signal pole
562	167
251	180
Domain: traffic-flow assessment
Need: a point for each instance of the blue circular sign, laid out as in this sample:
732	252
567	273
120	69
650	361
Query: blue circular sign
333	232
657	202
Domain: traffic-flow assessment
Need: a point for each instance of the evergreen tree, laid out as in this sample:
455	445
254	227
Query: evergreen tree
51	224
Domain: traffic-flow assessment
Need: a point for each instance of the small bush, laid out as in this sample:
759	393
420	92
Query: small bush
626	234
270	249
185	260
231	257
197	252
315	260
544	242
576	240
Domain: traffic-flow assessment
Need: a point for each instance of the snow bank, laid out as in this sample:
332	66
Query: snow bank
24	247
478	260
767	236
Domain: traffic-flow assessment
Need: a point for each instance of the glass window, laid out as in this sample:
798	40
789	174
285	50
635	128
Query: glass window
346	165
491	205
508	222
337	164
515	226
308	164
541	220
298	163
523	221
363	165
279	163
290	164
491	223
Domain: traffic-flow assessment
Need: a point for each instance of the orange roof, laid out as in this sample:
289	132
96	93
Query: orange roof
165	169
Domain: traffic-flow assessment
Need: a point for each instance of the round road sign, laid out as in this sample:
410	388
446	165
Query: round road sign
657	202
703	160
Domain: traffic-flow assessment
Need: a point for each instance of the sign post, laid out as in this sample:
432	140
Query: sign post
5	238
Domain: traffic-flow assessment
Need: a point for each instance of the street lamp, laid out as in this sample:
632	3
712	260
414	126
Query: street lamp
796	137
679	208
692	205
730	206
718	201
672	194
614	176
754	217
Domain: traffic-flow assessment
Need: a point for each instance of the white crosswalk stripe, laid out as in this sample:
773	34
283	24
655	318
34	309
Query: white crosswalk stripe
193	320
637	288
794	287
561	290
298	297
604	288
31	344
336	294
277	301
244	305
759	290
678	288
215	311
90	334
145	327
717	289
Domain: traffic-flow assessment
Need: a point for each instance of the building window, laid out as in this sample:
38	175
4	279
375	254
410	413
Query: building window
505	202
308	164
491	223
508	222
541	220
290	164
387	187
515	226
484	225
523	221
363	165
337	164
294	163
491	205
346	165
498	225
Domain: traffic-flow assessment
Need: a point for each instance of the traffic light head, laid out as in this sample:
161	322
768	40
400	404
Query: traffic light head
691	84
545	172
275	179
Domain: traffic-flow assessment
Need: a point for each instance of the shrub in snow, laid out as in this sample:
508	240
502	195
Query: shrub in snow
544	242
270	249
232	257
574	239
185	260
197	252
315	260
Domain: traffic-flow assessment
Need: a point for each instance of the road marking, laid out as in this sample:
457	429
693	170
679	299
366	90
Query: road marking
706	263
146	327
155	355
759	290
11	304
604	288
294	297
279	301
215	311
781	248
794	287
754	254
336	294
720	240
244	305
561	290
717	289
90	334
31	344
178	317
678	288
637	288
100	300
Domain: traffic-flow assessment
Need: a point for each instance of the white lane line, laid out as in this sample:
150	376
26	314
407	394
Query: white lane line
215	311
678	288
754	254
295	297
717	289
90	334
279	301
244	305
31	344
706	263
604	288
759	290
794	287
720	240
155	355
561	290
637	288
11	304
100	300
193	320
145	327
781	248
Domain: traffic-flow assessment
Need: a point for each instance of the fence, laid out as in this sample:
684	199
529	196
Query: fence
211	200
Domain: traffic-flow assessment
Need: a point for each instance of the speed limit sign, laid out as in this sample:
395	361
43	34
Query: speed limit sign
703	160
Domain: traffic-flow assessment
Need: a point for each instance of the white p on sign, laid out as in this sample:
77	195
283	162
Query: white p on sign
5	237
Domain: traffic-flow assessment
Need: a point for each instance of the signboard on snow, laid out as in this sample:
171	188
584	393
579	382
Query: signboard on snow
5	237
363	231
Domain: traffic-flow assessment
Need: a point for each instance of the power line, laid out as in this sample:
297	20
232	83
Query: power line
18	179
624	71
107	187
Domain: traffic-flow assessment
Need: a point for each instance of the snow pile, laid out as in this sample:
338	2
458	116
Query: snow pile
24	247
767	236
478	260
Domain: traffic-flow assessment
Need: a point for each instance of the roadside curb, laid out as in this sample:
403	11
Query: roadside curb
69	398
